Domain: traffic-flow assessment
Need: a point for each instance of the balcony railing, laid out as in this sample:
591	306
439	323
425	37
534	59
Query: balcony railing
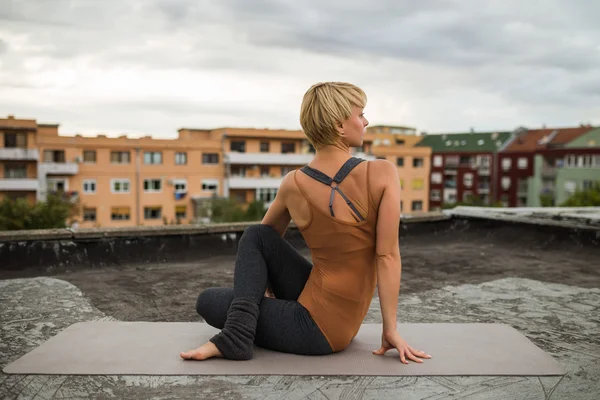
19	184
483	187
239	182
19	154
53	168
268	158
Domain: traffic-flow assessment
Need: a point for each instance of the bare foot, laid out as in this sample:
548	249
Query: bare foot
204	352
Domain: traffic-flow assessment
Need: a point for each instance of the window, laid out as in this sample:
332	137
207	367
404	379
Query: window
120	214
571	161
596	161
504	200
152	157
210	184
152	185
264	147
13	140
210	158
180	158
180	212
436	177
266	194
89	156
587	185
57	156
505	182
119	185
264	170
417	205
438	161
464	160
89	214
436	195
401	183
89	186
418	162
288	147
587	161
400	161
238	146
570	187
522	162
418	183
152	212
15	171
180	186
468	179
506	164
399	141
120	157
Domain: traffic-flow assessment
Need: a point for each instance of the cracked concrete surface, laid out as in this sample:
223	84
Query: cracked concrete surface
561	319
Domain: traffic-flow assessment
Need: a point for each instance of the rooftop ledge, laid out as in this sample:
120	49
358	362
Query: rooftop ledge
579	218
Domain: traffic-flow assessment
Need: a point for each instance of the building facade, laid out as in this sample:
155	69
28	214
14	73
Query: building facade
398	145
535	165
124	181
463	167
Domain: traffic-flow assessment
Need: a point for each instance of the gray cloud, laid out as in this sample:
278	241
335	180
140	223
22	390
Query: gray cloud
467	53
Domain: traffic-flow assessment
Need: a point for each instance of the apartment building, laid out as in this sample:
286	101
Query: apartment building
550	163
19	158
463	166
117	181
397	144
126	181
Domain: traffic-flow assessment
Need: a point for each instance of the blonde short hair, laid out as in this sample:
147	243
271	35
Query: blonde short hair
324	106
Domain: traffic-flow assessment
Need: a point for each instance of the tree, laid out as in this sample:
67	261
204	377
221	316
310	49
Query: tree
17	214
584	198
221	210
474	201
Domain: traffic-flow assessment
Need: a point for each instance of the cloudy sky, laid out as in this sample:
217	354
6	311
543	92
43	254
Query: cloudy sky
154	66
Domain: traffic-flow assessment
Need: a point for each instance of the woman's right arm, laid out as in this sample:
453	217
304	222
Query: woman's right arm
389	263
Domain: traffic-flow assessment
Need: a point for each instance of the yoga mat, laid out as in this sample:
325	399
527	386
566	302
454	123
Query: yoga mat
152	348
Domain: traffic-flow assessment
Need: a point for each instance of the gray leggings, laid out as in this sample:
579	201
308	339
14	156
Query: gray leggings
283	324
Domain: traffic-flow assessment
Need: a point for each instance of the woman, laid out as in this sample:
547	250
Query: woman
350	223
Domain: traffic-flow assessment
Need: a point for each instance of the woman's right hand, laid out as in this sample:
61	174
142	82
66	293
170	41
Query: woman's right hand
393	340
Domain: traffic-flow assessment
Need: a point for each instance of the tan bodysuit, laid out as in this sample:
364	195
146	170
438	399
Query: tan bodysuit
342	282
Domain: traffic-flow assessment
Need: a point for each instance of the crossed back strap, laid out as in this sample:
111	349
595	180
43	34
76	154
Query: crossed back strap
338	178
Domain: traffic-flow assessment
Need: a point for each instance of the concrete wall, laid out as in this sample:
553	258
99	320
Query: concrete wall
49	251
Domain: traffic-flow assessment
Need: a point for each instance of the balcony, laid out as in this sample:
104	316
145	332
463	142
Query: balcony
450	184
548	171
268	158
54	168
19	184
483	188
522	190
483	170
19	154
240	182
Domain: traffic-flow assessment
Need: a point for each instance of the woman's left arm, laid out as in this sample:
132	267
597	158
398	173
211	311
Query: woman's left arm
277	216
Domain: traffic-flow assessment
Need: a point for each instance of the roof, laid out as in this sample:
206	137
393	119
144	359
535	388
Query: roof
475	142
536	139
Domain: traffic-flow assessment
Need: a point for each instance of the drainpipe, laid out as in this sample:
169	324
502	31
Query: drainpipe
137	185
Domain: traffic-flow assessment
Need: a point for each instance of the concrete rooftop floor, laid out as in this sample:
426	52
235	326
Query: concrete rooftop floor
547	289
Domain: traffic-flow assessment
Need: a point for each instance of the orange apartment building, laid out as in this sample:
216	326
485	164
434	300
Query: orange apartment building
124	181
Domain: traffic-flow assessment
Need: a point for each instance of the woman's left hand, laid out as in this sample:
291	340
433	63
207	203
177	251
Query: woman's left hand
393	340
